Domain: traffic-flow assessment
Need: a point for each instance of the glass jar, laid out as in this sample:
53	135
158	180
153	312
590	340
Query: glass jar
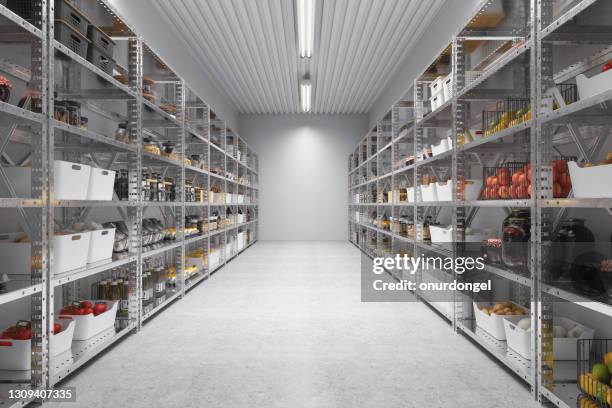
84	123
170	189
572	240
121	134
60	113
515	241
74	113
145	187
161	188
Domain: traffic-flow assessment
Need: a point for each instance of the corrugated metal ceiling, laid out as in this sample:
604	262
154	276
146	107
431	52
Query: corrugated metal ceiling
249	48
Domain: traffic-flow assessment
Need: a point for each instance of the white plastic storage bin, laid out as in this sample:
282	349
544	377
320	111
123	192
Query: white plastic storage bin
436	101
61	342
447	87
494	324
429	192
441	147
410	194
591	182
89	325
101	245
101	184
70	251
472	190
214	257
435	87
440	234
445	190
564	348
71	180
228	198
241	241
240	198
594	85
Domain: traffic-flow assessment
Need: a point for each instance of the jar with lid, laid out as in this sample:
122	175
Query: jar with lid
145	187
74	113
161	188
516	229
153	187
572	240
60	113
170	189
121	133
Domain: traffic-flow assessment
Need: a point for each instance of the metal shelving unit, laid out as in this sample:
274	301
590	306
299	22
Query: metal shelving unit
47	71
526	49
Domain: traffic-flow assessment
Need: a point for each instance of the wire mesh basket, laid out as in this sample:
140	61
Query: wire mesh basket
569	92
29	10
509	112
505	182
593	373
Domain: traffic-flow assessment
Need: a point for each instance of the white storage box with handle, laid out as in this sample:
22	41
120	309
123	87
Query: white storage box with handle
436	102
101	245
564	348
492	324
71	181
69	252
101	184
61	342
429	192
591	182
441	234
89	325
441	147
471	190
445	190
435	87
588	87
15	355
447	87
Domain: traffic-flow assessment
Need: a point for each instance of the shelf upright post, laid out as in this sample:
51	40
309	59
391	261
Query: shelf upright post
223	235
180	90
379	187
419	111
206	117
541	220
458	167
394	159
41	303
135	213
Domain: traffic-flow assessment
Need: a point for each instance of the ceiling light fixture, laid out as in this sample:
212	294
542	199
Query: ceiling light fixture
306	95
305	13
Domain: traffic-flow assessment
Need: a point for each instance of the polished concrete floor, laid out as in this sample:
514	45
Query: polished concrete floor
283	326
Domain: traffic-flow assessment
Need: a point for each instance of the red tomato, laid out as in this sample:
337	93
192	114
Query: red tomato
565	180
521	191
557	191
23	333
57	328
515	177
529	175
99	308
504	179
529	191
88	310
522	180
85	304
607	66
565	191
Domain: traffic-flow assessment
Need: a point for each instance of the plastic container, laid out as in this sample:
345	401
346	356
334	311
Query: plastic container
71	38
564	348
72	16
101	41
429	192
441	234
228	198
441	147
62	342
101	245
471	191
445	190
15	355
591	182
71	180
214	257
435	88
101	184
410	194
588	87
494	324
100	59
239	198
447	87
436	101
70	251
89	325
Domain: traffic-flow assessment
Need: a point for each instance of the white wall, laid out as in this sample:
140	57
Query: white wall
303	173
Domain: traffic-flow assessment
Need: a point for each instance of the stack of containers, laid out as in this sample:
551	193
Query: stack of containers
71	27
437	96
100	50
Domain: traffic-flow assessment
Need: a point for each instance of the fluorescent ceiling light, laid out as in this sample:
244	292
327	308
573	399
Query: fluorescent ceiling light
305	16
306	95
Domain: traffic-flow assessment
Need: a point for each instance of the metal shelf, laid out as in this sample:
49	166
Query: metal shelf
71	276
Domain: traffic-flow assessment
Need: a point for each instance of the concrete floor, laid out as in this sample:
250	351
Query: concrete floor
283	326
